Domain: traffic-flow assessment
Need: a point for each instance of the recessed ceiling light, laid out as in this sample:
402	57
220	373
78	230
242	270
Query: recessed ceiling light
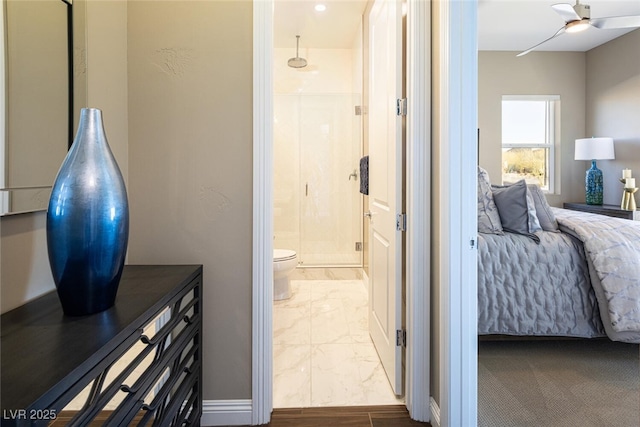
320	7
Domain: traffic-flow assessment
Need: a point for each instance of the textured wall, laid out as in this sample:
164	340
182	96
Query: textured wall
190	164
106	36
25	263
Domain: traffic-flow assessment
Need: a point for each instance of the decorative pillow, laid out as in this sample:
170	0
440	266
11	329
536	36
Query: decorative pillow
488	217
544	213
516	208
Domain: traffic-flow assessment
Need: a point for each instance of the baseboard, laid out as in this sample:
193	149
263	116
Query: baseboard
226	412
435	412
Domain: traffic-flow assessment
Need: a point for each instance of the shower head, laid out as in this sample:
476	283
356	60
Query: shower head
297	62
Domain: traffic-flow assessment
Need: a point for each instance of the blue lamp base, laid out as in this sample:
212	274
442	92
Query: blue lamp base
593	185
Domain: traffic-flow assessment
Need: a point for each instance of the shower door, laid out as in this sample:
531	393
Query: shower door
323	133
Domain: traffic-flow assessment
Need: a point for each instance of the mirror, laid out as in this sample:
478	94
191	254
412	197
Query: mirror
44	88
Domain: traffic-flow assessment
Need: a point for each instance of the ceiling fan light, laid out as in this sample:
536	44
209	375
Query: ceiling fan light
577	26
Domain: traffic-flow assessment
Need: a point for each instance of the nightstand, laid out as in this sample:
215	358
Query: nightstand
608	210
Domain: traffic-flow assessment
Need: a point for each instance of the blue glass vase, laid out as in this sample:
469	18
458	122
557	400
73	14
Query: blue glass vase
88	222
594	185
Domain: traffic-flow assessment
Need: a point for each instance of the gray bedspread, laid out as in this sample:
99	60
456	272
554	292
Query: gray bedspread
612	248
530	289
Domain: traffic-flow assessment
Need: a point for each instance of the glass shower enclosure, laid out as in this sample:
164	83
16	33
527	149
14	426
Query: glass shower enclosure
317	202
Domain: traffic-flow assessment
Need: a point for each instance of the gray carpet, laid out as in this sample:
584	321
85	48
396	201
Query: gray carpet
561	383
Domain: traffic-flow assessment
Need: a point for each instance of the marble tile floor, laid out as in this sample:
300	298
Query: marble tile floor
323	355
327	273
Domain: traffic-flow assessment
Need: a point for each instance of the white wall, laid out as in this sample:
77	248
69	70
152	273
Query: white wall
328	71
538	73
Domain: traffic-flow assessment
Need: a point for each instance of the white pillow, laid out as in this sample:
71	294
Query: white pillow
488	216
544	213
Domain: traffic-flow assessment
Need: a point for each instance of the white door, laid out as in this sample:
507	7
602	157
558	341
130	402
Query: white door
385	186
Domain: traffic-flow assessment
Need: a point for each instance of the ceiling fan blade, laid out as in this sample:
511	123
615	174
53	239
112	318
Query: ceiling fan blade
616	22
566	11
559	32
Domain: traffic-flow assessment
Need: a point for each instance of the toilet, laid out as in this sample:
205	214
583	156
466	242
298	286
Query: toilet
284	262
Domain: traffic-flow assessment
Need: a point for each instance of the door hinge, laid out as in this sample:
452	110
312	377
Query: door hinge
401	222
361	110
401	338
358	246
401	107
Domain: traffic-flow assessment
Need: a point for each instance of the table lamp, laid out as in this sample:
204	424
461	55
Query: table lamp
594	149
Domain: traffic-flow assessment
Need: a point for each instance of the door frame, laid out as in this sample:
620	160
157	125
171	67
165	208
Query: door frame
455	137
418	177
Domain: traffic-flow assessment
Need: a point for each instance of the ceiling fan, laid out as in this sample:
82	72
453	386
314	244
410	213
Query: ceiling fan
578	18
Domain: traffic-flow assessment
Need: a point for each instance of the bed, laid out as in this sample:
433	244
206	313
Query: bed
566	273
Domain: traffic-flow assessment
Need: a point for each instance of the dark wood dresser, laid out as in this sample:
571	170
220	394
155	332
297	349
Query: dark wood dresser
608	210
138	362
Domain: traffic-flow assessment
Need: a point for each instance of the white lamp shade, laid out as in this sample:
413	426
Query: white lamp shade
594	149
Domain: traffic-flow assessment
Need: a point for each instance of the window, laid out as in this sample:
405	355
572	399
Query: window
529	139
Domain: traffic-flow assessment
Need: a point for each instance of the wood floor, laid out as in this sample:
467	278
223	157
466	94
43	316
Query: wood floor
65	417
347	416
343	416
